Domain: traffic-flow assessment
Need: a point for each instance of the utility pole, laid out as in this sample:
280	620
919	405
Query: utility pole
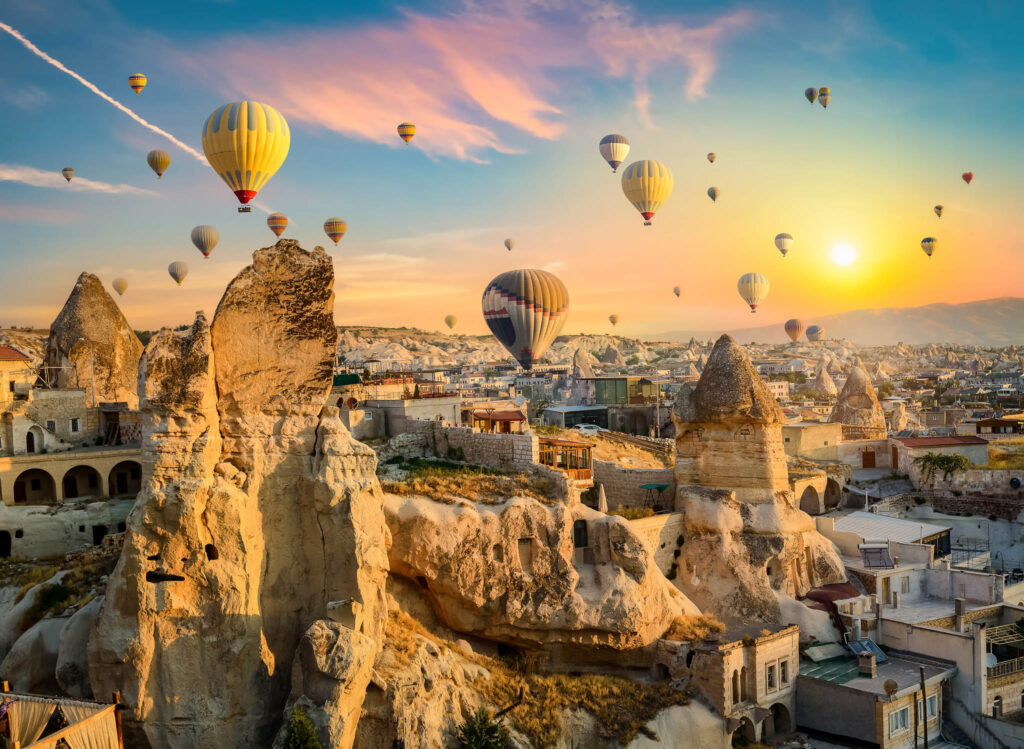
924	703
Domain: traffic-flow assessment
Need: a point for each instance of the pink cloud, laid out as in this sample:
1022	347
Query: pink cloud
473	81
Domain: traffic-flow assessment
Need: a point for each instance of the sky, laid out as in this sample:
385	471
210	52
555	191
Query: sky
510	99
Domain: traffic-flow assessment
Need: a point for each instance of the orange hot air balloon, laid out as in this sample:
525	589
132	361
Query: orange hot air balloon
277	222
967	177
335	228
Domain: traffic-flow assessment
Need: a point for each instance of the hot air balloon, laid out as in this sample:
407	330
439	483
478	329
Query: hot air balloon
120	286
811	94
405	131
509	244
784	242
816	333
137	81
675	290
928	244
712	157
205	238
613	319
713	193
178	271
277	222
938	211
525	310
450	321
647	184
824	97
967	177
246	142
614	149
335	228
68	173
794	329
158	161
753	287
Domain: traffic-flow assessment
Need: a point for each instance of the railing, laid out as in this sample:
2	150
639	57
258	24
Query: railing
1006	667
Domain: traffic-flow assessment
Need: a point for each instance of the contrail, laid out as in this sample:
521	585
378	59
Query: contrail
60	66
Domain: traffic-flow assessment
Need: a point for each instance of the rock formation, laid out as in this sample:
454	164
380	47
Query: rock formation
581	364
822	381
745	542
93	345
858	409
528	574
258	530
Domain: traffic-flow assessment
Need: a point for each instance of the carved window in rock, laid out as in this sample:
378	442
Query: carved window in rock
745	432
526	555
579	534
693	436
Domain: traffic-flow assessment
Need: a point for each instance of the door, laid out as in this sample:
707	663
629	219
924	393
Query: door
122	482
895	458
5	544
70	487
30	443
867	459
19	492
885	590
98	532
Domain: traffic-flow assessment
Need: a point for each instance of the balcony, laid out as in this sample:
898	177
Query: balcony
572	458
1005	668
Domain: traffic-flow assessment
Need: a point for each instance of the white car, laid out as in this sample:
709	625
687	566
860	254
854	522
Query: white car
589	428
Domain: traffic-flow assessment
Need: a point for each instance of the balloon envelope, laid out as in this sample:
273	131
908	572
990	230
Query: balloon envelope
811	94
406	131
613	319
178	271
525	310
784	242
450	321
824	97
205	238
277	222
713	193
967	177
647	184
794	329
137	81
753	287
158	161
928	244
68	173
712	157
120	285
335	228
675	290
614	149
816	333
246	142
938	211
509	244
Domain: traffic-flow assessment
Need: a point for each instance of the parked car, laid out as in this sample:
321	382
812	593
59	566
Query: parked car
589	428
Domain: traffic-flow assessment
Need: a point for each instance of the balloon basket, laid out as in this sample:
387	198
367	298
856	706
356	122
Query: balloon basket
245	209
647	223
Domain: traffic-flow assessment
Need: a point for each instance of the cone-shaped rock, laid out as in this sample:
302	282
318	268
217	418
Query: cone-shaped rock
858	409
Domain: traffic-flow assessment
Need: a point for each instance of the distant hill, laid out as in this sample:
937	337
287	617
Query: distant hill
990	322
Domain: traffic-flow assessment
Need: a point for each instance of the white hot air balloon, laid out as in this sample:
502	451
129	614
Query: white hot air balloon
120	286
509	244
178	270
614	149
784	242
753	287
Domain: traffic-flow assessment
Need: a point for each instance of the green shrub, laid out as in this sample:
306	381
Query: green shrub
301	734
481	732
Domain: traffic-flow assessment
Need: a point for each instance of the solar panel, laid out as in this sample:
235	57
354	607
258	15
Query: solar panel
867	646
877	556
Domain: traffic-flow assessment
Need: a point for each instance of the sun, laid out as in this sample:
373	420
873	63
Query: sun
843	254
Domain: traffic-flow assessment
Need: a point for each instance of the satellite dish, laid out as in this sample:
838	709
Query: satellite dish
1015	483
990	660
520	400
890	687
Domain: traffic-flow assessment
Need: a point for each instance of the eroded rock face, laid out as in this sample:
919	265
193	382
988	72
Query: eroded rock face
93	344
529	574
822	381
858	407
745	541
259	515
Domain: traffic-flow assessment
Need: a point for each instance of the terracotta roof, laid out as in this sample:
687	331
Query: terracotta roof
11	354
941	441
500	415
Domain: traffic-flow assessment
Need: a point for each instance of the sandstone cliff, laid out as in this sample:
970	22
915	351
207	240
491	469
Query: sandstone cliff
94	346
258	540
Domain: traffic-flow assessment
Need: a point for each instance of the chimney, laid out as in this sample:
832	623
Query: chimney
959	608
867	666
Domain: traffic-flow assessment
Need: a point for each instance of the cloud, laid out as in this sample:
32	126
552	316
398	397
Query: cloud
28	175
474	81
23	97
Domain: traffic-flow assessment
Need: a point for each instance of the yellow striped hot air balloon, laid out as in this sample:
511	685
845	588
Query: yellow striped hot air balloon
405	131
613	319
753	287
526	310
138	82
647	184
246	142
450	321
277	222
335	228
158	161
68	173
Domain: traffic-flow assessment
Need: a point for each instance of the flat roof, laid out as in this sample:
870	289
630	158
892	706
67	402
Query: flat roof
570	409
869	525
906	672
942	441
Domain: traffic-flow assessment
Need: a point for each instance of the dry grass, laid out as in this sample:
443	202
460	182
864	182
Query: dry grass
689	628
1005	454
448	482
632	513
403	634
630	456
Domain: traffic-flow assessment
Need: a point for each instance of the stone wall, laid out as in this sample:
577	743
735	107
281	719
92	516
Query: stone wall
1007	505
507	451
662	533
61	406
363	423
622	485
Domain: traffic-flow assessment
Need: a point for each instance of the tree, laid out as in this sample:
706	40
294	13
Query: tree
481	732
301	733
931	463
539	405
885	390
416	392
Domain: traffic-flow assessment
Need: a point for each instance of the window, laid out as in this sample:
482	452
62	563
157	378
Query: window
826	443
933	706
74	425
787	439
369	416
51	425
899	721
770	678
784	672
997	707
905	584
11	384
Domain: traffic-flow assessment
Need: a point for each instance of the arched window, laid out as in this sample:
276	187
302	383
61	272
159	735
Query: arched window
997	707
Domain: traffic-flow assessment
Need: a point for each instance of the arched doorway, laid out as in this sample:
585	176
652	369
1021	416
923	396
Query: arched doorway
781	722
125	479
81	482
735	686
747	731
810	502
743	685
5	544
832	494
35	487
34	442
